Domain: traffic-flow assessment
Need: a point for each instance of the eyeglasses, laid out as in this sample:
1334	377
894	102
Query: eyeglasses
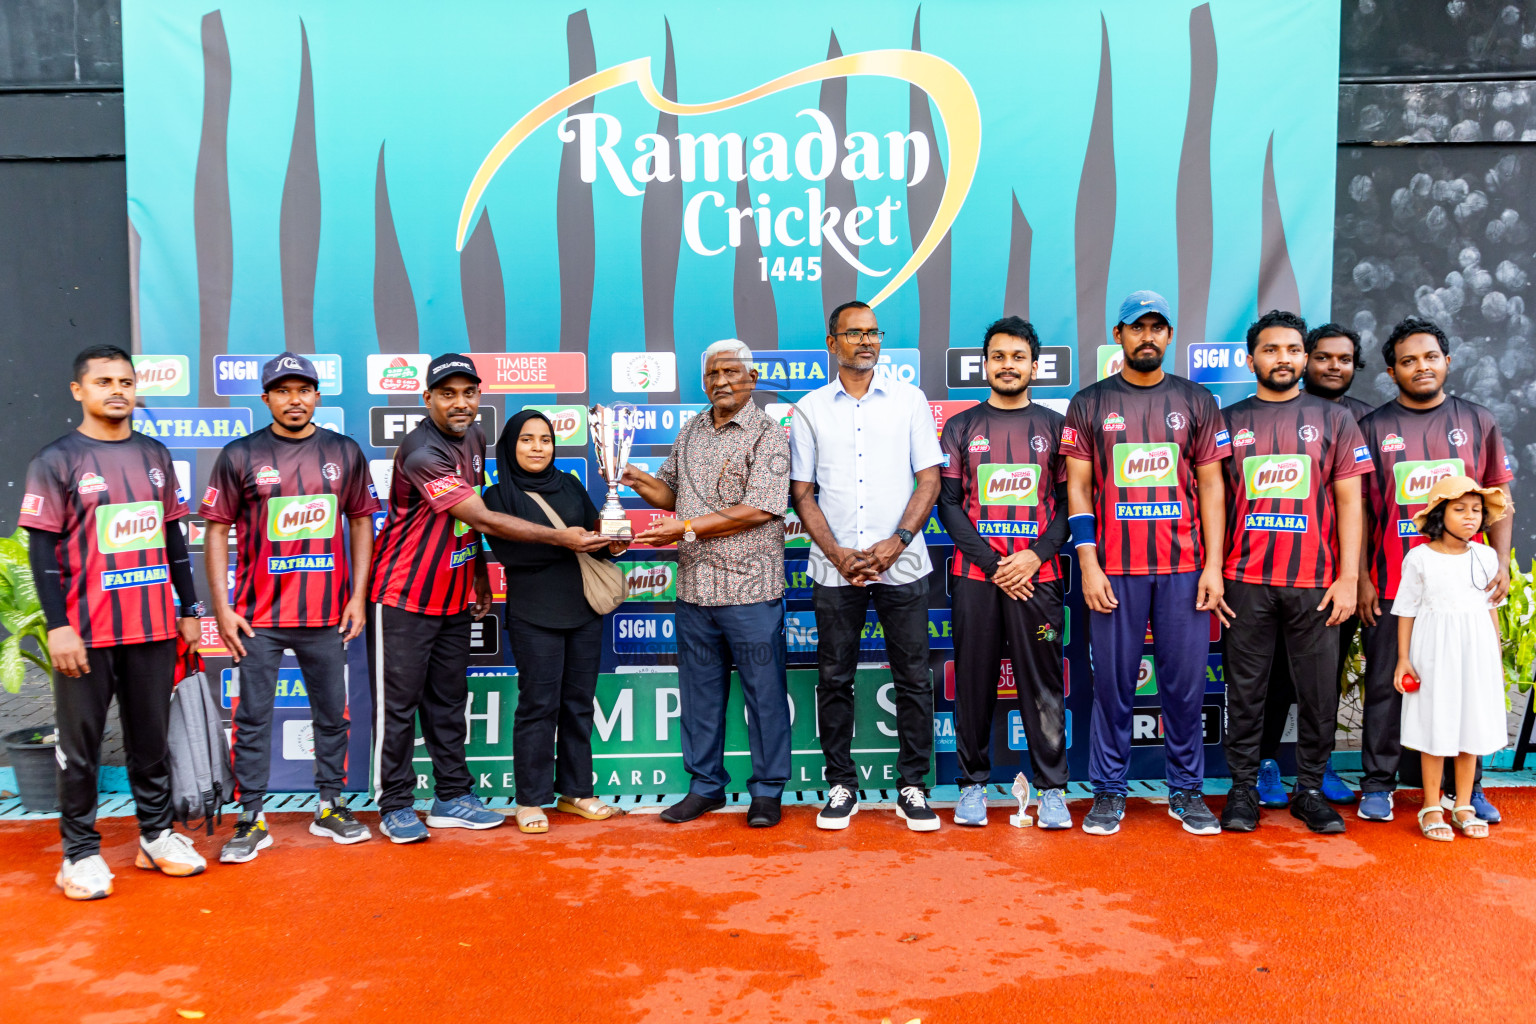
858	336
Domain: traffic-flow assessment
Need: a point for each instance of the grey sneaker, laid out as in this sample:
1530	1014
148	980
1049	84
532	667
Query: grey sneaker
337	824
1053	813
1103	819
972	808
1188	806
251	837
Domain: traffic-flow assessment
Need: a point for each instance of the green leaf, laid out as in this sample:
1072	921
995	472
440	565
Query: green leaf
13	667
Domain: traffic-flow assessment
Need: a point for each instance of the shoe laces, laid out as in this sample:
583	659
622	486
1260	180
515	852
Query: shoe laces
340	812
245	826
176	841
1053	798
838	796
914	796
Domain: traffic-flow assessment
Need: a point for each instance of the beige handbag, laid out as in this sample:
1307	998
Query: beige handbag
602	583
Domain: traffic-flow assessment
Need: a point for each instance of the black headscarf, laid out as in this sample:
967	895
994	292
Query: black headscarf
511	478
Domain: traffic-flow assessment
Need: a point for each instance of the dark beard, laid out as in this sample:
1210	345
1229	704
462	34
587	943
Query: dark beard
1312	387
1008	391
1270	383
1144	364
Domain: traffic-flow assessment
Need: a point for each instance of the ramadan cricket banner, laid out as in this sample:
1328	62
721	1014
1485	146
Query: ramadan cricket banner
583	198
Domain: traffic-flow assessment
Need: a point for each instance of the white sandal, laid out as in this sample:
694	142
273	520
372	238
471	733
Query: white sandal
1472	821
1440	831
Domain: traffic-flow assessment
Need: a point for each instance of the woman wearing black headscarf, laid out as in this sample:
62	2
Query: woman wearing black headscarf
556	636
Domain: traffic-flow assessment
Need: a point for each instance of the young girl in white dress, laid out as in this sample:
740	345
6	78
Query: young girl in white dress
1448	640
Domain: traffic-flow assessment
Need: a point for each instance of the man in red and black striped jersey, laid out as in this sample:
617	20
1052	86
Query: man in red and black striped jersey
100	509
1147	513
286	491
1415	439
429	581
1004	504
1333	359
1293	552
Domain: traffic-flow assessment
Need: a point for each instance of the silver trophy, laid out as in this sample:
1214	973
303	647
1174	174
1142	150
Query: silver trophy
613	435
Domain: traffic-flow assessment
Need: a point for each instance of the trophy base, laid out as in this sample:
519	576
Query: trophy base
619	529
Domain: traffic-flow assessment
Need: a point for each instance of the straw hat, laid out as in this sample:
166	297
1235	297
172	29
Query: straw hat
1495	503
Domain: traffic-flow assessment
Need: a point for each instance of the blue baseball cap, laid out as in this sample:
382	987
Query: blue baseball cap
1139	304
289	364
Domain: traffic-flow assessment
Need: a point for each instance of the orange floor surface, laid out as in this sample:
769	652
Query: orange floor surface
635	920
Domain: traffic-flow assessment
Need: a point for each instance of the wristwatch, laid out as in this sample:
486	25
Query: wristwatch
196	610
688	533
905	536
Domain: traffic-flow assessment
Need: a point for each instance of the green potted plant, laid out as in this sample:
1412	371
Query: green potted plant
31	750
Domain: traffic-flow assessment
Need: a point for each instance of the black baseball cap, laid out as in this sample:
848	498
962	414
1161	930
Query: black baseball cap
450	364
289	364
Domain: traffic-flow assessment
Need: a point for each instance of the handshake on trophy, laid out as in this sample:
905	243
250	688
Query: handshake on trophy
613	435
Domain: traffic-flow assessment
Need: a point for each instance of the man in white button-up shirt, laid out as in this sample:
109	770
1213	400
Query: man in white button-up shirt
864	474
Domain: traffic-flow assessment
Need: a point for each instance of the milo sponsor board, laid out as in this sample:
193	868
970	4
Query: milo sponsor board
794	531
1415	479
129	526
651	581
1147	465
1005	484
161	376
1278	476
302	517
569	421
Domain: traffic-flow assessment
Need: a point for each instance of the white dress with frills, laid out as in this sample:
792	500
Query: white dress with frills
1459	707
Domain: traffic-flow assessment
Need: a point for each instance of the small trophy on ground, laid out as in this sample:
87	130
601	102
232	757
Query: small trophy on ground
613	435
1021	793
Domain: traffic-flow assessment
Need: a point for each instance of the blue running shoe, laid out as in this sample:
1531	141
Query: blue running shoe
1484	810
402	826
1334	789
1376	806
972	808
1053	813
1271	790
463	812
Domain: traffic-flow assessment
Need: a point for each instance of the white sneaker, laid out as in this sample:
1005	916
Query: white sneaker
88	878
170	852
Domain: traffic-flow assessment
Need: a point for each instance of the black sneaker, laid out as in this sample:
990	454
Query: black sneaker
1104	818
912	804
1242	811
250	838
765	812
1311	807
842	805
1189	807
337	824
690	807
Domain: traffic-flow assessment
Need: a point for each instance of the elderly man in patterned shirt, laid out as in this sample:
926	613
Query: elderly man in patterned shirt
727	484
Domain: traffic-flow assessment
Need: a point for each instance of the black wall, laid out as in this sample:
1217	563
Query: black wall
1436	204
63	215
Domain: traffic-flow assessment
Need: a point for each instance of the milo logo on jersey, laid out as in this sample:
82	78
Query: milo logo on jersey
1415	479
129	526
1147	465
1008	484
651	581
302	517
1278	476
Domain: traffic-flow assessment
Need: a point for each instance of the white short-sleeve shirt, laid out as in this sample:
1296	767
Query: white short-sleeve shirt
863	454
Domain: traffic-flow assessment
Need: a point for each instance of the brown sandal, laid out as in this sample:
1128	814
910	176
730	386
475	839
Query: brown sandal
589	807
531	820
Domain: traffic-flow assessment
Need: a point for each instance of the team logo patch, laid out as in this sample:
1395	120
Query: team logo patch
211	496
129	526
1222	437
476	461
1508	465
32	504
1415	479
266	476
373	492
1068	435
1146	465
1392	443
302	517
331	471
1243	439
1040	444
1457	437
1003	484
1278	476
1114	421
1362	454
979	443
91	483
1307	432
442	485
1176	421
156	477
